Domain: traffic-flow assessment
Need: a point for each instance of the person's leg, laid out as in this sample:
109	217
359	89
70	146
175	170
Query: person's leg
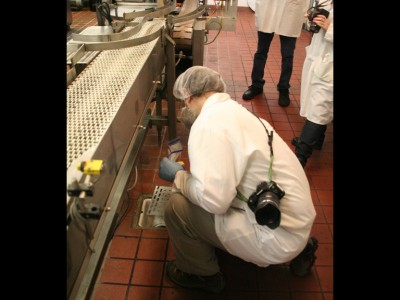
311	135
260	59
288	45
192	234
317	146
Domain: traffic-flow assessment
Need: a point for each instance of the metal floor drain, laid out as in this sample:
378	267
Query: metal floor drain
151	212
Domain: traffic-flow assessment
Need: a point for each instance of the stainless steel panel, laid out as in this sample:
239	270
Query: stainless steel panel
198	42
226	17
105	105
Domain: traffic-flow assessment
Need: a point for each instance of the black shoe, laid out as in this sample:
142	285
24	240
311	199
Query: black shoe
213	284
283	99
303	161
296	141
302	264
252	92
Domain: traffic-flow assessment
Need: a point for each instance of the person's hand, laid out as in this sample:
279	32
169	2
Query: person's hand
322	21
168	169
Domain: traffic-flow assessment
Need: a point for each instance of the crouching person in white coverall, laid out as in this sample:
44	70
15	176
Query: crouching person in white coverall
233	156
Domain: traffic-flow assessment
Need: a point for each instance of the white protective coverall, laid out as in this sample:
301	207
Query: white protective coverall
230	152
284	17
316	99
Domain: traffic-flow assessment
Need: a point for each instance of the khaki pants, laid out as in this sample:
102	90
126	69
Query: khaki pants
191	231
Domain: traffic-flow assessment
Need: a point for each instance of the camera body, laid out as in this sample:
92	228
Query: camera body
265	201
314	28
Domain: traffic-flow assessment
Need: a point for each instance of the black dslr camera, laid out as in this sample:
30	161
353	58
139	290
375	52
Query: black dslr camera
313	12
264	202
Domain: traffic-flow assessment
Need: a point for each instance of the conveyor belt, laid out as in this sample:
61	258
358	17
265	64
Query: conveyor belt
185	29
97	93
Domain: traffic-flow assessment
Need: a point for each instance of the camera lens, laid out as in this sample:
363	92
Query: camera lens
267	211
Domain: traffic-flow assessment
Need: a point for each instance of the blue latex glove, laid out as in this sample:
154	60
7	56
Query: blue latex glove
168	169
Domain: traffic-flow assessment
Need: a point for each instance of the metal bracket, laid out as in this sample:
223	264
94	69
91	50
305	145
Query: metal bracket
74	189
91	211
158	121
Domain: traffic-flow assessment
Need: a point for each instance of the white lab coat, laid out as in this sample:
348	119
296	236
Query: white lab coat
228	150
316	98
284	17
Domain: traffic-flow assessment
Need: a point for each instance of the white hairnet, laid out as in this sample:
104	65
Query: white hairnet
197	80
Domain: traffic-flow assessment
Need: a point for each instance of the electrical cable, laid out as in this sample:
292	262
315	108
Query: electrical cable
129	204
220	28
215	9
75	217
180	56
103	13
135	182
213	21
119	222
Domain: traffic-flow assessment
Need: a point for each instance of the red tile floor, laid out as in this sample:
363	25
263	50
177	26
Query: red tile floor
134	266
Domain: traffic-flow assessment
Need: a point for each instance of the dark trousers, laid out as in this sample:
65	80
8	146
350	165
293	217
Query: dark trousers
192	234
288	45
312	136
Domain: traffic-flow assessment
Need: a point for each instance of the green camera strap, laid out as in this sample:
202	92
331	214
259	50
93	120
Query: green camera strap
270	138
239	195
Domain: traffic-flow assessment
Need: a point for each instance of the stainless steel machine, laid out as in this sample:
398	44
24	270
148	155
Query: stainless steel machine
115	71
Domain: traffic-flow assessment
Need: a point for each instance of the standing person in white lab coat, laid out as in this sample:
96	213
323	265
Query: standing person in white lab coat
316	99
283	17
232	155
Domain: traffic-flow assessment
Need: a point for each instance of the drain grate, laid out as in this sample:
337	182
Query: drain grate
159	200
151	209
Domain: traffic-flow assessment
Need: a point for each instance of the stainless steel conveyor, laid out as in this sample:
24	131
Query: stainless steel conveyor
116	71
107	119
